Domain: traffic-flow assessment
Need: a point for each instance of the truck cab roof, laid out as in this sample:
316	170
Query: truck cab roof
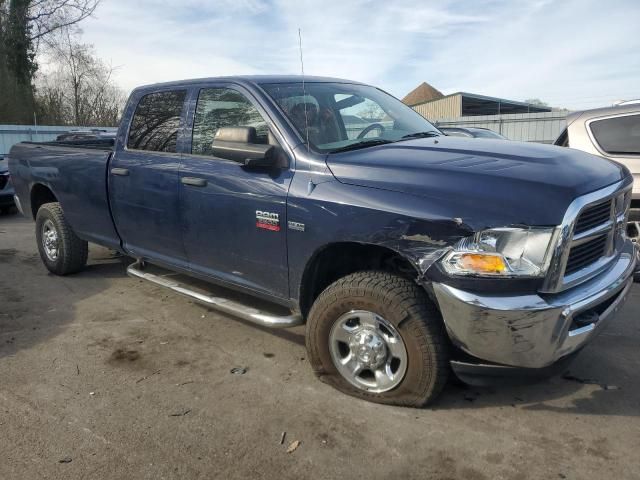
248	80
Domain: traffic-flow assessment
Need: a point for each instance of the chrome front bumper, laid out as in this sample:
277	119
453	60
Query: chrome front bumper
535	331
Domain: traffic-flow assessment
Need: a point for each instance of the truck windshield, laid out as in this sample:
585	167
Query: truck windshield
336	117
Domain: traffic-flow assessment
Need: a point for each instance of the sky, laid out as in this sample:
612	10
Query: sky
569	53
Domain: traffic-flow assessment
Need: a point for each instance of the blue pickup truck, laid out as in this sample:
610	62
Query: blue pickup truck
407	253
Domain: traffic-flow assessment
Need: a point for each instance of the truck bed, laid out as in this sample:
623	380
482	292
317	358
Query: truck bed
94	144
75	172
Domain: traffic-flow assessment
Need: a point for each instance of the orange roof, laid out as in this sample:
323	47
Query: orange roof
421	94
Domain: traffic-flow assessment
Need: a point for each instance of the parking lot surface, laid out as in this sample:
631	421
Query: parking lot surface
103	376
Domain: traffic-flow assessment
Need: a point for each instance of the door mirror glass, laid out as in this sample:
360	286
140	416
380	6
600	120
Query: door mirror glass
240	145
219	108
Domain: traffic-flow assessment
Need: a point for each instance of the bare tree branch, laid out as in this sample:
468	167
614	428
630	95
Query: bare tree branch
47	16
80	90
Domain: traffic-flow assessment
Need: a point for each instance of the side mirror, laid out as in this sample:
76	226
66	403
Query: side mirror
239	144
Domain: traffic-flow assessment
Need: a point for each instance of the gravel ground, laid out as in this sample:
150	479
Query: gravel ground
103	376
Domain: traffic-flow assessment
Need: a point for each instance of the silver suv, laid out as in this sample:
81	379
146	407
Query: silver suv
613	133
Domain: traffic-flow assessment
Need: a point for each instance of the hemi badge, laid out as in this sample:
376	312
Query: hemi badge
268	221
296	226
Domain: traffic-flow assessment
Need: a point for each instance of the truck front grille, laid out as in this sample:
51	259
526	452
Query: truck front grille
586	253
594	237
593	216
589	238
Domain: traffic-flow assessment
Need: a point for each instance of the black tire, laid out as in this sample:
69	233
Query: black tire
408	308
72	252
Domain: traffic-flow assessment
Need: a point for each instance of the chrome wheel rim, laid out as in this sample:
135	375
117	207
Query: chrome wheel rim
368	351
50	240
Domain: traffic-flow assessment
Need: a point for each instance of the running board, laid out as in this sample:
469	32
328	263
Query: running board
221	304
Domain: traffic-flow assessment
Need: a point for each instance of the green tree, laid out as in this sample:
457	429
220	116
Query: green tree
24	24
17	63
536	101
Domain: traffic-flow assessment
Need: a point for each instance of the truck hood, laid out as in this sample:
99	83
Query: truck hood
485	181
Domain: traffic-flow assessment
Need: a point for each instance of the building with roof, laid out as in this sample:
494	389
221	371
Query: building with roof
423	93
512	119
432	104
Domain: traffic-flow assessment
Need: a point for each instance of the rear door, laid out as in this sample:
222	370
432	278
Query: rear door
224	204
144	179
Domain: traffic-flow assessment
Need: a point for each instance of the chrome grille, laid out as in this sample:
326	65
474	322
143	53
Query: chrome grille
589	237
593	216
594	236
586	253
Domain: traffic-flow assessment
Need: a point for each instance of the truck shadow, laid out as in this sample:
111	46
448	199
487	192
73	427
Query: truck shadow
34	304
604	379
558	394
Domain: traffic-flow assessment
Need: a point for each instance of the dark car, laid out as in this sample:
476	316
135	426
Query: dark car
471	132
407	253
6	188
81	135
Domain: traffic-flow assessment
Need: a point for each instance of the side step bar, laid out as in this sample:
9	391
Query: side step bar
224	305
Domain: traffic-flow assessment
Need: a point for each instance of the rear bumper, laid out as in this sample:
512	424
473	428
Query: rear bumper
535	331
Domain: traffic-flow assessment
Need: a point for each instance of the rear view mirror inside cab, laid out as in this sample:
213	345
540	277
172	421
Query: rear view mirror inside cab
349	102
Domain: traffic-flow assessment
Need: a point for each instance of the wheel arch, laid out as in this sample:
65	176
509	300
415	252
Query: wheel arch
336	260
39	195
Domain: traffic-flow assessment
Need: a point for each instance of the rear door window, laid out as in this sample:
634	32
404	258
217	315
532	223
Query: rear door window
224	107
156	122
619	135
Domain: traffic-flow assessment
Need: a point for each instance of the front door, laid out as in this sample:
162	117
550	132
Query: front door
144	180
234	218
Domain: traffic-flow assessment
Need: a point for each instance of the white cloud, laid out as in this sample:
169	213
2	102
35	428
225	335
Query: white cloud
571	53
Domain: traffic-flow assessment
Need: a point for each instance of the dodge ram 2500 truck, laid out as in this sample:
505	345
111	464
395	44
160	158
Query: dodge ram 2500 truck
408	254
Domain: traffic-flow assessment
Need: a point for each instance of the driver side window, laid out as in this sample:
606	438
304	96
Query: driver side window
224	107
361	115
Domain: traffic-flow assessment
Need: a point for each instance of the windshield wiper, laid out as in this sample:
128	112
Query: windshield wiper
363	144
429	133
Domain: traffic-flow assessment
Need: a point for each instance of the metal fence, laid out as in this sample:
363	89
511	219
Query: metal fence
525	127
12	134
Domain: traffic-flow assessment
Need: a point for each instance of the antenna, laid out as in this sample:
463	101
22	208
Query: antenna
304	92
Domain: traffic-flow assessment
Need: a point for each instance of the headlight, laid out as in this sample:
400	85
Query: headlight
502	252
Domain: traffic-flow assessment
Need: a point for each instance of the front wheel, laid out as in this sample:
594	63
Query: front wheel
377	336
61	250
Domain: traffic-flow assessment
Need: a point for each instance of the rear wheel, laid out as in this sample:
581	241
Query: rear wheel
61	250
377	336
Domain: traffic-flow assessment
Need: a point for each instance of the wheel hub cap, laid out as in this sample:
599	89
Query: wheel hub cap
368	351
50	240
368	347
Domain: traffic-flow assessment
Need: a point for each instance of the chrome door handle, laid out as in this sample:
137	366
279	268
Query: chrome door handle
123	172
194	182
